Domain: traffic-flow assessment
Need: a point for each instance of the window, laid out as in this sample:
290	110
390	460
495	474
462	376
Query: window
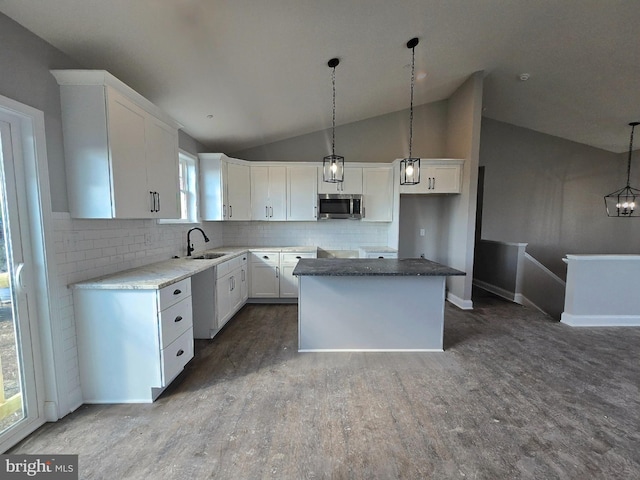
188	186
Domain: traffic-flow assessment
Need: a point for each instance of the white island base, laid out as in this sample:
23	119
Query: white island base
371	313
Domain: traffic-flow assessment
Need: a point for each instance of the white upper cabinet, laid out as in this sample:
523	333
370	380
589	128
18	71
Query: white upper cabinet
238	191
121	151
268	193
437	176
225	188
377	188
302	193
352	182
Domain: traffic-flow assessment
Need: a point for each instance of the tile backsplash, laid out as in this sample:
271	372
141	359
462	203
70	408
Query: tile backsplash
329	234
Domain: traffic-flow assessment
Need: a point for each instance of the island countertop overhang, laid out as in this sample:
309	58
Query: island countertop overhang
373	267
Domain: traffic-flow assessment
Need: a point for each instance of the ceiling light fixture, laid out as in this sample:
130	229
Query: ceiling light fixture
622	203
333	165
409	166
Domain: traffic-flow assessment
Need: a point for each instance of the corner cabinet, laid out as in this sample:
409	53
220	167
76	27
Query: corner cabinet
225	188
132	343
272	273
437	176
121	151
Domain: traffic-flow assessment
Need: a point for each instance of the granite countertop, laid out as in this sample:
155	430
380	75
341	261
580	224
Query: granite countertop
161	274
372	267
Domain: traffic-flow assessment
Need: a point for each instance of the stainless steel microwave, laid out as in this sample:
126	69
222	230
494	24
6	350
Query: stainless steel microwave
332	205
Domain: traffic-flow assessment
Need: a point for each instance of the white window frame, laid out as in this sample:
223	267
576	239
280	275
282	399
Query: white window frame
189	163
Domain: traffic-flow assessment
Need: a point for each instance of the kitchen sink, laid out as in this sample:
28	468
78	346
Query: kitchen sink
208	256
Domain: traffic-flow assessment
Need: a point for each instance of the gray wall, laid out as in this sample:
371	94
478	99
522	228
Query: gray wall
377	139
423	212
463	141
548	192
191	145
25	61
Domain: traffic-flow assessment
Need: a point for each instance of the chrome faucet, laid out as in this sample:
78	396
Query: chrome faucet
189	244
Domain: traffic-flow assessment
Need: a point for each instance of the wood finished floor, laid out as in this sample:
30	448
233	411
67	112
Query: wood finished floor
515	395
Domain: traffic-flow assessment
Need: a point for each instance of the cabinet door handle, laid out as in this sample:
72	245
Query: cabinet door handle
153	202
158	195
434	183
230	211
177	291
178	319
271	215
242	275
315	212
266	211
364	212
180	352
277	272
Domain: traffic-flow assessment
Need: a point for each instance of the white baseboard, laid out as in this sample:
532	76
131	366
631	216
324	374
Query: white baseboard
459	302
600	320
501	292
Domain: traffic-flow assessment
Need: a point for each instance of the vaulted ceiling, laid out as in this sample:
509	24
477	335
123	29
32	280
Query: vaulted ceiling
242	73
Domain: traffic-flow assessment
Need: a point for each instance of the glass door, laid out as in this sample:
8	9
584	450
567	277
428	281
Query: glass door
18	402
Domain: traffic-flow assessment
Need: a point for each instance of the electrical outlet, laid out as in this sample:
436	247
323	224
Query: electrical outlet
422	255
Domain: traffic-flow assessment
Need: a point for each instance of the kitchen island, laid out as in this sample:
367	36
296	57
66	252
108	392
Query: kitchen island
371	304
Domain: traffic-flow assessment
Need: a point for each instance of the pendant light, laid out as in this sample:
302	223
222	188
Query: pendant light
333	165
410	167
622	203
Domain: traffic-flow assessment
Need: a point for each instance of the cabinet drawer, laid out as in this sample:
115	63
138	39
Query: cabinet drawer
267	258
175	292
176	356
294	257
175	320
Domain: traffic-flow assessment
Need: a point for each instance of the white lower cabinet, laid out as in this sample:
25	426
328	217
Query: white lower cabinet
229	288
265	274
218	293
289	282
272	273
132	343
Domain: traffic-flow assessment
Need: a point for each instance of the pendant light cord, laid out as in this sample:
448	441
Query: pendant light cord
633	126
413	63
333	122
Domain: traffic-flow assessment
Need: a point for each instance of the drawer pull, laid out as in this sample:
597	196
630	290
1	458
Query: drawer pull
177	291
266	257
178	319
180	352
298	257
380	256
